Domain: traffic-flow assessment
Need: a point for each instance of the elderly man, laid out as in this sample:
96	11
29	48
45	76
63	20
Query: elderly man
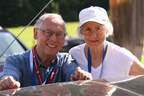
43	64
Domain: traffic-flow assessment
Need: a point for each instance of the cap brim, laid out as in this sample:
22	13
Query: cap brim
91	20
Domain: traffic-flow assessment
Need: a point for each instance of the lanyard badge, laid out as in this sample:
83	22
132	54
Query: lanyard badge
50	74
103	56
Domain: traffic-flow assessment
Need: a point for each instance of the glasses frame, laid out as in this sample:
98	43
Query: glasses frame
48	33
88	31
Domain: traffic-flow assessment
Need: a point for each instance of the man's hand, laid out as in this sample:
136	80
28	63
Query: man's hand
8	82
81	75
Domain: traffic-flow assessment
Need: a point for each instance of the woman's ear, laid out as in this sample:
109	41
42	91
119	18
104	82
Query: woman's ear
107	33
35	33
80	34
106	30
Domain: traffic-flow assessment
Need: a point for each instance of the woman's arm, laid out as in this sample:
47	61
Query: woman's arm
137	68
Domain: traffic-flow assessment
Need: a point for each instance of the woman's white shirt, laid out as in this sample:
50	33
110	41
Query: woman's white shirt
116	64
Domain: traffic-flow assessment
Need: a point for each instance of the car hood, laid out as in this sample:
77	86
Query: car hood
133	87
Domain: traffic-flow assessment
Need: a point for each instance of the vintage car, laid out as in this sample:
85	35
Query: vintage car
132	86
17	46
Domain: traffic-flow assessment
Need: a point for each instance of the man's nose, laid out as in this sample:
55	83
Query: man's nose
53	37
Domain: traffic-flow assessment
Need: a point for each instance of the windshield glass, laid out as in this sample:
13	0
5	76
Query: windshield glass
5	40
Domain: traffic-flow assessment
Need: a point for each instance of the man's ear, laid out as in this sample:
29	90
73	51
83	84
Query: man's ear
35	33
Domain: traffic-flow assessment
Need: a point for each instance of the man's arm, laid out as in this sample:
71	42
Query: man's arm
12	67
10	74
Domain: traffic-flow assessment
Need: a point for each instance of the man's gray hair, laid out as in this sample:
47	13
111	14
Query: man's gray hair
48	15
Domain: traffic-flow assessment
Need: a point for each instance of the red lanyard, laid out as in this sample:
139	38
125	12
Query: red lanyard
36	67
38	70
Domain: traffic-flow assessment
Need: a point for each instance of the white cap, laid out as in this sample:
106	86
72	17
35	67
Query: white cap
94	14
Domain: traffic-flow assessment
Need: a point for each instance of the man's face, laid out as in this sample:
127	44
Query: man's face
50	36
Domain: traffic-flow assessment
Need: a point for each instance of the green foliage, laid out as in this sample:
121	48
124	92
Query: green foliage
20	12
12	12
71	9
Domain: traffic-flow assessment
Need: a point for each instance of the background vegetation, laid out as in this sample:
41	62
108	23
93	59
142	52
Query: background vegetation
19	12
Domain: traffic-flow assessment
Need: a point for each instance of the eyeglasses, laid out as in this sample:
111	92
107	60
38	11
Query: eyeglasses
48	33
89	31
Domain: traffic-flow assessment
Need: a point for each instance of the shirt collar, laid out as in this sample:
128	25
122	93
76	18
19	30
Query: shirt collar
39	62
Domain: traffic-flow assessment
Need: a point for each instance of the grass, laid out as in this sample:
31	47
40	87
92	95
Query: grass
72	28
27	35
142	59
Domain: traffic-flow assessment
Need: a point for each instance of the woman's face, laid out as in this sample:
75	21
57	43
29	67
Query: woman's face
94	33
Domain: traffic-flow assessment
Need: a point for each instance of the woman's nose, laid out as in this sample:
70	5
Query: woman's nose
94	33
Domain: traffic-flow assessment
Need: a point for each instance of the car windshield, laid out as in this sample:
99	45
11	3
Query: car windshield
5	40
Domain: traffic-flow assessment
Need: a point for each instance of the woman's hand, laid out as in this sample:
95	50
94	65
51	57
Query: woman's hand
81	75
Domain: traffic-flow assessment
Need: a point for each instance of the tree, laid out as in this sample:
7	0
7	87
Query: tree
127	18
70	9
20	12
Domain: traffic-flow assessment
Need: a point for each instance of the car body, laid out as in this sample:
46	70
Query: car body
17	46
71	42
132	86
